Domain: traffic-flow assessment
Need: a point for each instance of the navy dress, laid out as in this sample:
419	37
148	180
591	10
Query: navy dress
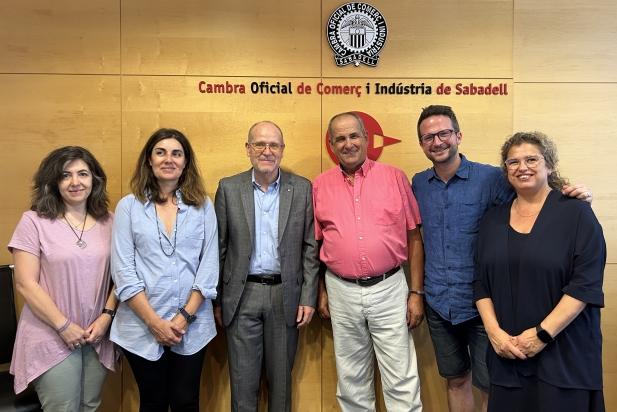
526	276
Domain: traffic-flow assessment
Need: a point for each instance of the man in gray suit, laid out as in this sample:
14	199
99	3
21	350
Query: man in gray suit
268	270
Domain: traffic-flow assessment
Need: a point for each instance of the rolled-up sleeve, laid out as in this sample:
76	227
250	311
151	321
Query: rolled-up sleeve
207	275
123	270
479	289
589	260
412	212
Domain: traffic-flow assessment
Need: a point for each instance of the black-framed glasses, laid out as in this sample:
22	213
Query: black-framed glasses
530	161
443	135
260	146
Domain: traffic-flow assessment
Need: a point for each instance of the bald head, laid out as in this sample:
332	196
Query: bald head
259	125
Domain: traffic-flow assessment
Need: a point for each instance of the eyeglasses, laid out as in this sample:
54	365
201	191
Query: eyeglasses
443	135
530	161
260	147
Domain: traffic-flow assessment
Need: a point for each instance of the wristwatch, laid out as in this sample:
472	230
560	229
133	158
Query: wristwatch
189	318
543	335
110	312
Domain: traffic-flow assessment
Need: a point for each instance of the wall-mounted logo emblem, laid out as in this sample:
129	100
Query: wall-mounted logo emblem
376	139
356	32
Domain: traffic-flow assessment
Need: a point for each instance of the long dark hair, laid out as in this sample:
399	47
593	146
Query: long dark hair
46	200
144	184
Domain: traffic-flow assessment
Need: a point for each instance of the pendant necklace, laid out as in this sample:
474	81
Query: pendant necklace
173	249
80	243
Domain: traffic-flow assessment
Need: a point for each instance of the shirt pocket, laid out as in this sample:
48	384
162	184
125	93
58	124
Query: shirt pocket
385	211
194	228
469	216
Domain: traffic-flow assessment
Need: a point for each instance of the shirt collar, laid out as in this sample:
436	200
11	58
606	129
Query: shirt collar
178	196
462	172
256	185
366	166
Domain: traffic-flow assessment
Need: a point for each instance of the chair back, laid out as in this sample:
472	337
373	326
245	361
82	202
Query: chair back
8	315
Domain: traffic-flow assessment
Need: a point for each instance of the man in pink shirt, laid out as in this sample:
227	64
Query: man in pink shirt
366	220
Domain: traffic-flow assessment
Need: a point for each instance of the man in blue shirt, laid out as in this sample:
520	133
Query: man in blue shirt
268	278
453	196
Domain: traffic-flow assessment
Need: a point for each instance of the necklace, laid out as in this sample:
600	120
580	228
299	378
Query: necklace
173	249
80	243
515	202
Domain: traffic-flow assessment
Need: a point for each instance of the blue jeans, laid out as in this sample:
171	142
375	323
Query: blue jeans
459	348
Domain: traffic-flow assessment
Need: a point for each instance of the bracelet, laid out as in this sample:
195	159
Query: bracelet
110	312
63	328
417	292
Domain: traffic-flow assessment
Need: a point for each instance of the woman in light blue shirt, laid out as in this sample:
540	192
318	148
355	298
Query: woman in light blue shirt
164	260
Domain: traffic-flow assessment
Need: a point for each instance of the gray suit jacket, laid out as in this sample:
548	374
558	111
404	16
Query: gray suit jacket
235	212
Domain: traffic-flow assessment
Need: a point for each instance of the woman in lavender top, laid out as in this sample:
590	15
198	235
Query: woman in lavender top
61	251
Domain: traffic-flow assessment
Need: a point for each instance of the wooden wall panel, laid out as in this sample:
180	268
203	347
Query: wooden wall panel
485	121
218	124
307	372
450	39
60	36
578	117
111	396
43	112
565	41
130	393
328	369
230	38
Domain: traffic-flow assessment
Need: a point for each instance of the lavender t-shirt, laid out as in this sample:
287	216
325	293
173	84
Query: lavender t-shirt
77	281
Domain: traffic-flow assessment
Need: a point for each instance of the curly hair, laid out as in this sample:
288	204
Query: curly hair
144	184
46	200
438	110
546	147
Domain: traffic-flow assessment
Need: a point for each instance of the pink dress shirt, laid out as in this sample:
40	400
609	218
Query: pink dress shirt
364	226
76	279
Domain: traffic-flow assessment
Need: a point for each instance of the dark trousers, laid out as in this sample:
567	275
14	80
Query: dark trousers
171	381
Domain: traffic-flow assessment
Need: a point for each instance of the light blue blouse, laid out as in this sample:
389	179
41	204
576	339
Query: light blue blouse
138	264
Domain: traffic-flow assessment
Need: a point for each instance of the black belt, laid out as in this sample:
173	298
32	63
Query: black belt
370	281
265	280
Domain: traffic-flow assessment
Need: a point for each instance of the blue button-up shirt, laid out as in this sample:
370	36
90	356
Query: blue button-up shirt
138	264
451	212
265	257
